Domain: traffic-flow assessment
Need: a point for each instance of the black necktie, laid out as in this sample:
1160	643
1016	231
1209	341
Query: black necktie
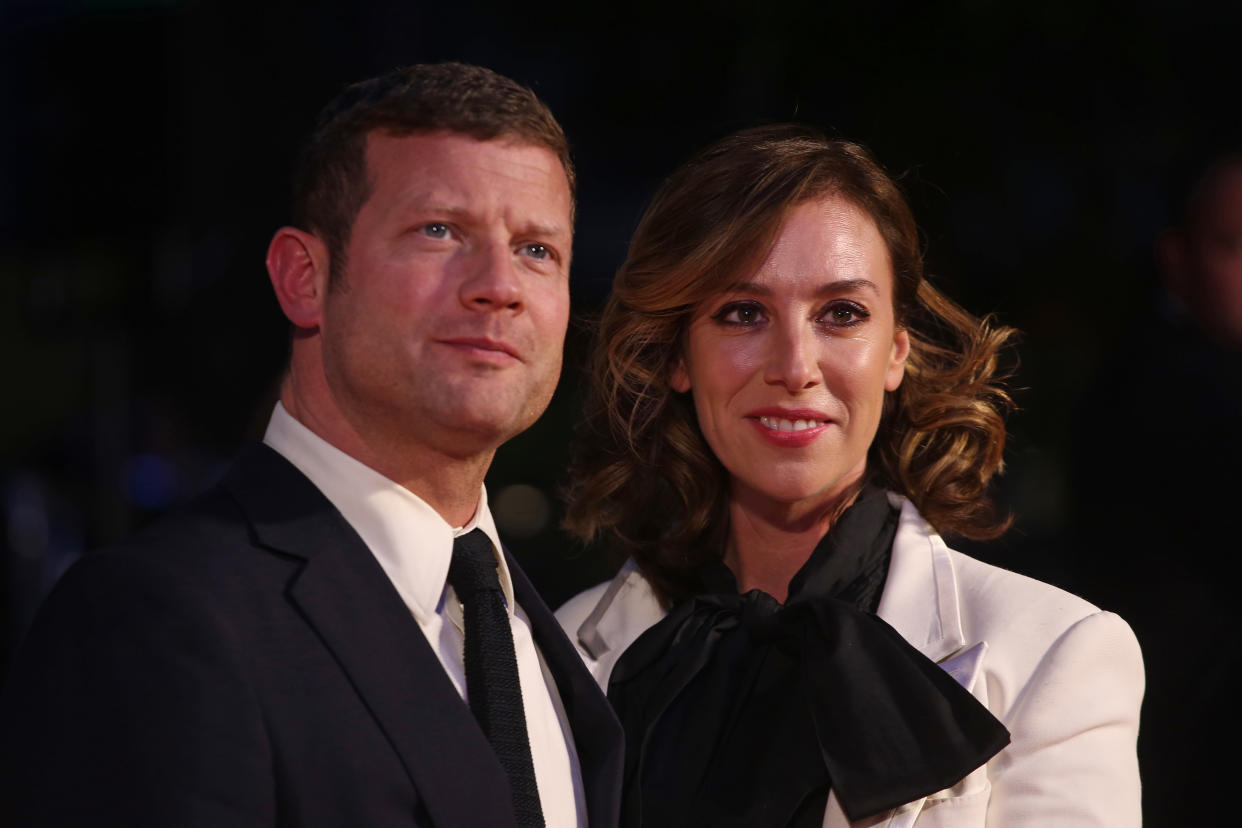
491	669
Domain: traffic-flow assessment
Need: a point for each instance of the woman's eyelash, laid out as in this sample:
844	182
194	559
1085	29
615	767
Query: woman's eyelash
857	312
739	313
841	314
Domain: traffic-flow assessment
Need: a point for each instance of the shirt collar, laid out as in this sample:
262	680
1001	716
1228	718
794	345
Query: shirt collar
410	540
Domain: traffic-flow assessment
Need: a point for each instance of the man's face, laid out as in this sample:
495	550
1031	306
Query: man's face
448	326
1215	293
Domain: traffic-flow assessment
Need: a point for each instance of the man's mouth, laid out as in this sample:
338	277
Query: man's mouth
484	345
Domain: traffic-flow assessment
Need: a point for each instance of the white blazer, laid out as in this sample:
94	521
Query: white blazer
1064	677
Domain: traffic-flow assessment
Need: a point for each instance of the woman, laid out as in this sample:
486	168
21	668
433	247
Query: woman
784	417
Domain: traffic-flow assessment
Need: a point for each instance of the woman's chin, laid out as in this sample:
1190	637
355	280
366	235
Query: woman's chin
797	496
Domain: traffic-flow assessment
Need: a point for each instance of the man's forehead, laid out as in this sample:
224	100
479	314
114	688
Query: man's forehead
450	176
438	145
455	159
1219	196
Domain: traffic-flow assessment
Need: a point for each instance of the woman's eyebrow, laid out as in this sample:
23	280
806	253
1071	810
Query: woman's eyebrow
849	285
756	288
833	287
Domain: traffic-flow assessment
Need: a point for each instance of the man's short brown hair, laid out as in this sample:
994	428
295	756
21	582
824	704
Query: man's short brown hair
331	183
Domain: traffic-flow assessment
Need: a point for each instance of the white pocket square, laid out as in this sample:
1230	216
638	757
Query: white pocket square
964	665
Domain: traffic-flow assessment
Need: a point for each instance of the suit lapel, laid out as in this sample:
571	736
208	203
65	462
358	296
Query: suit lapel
345	596
597	733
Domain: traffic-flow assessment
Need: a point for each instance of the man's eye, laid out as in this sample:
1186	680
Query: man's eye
536	251
1229	243
436	230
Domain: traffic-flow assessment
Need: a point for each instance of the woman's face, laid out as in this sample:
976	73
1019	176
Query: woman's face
789	369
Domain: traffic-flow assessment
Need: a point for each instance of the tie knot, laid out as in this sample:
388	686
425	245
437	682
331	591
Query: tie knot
473	568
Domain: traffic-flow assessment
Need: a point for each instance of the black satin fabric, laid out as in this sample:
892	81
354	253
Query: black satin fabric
739	711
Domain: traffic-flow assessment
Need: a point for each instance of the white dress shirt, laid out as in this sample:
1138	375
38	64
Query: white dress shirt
414	545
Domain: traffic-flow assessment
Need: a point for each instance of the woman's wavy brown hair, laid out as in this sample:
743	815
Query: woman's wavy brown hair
642	471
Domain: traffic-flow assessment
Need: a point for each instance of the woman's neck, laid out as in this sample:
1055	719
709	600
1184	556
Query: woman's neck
769	542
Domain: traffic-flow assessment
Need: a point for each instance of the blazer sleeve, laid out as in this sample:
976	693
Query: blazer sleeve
1073	760
129	705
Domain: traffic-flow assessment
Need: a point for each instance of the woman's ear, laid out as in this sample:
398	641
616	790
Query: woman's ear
679	379
297	264
897	360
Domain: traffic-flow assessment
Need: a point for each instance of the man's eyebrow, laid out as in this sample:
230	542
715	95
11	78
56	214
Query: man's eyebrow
427	205
452	211
541	229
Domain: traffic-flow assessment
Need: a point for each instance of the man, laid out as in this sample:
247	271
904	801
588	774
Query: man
1156	463
1201	259
289	649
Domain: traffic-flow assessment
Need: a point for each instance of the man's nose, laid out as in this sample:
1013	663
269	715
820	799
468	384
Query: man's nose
791	360
491	281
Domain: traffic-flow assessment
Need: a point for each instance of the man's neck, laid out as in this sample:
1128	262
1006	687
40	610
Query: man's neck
449	484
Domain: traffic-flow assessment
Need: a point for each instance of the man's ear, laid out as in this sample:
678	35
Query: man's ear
297	264
679	379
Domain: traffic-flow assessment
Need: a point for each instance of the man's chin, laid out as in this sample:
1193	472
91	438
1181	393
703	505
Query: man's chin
469	437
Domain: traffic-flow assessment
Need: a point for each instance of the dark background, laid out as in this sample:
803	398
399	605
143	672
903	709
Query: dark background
145	150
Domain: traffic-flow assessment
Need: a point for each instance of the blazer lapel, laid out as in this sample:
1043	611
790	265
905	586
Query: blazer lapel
345	596
920	570
597	733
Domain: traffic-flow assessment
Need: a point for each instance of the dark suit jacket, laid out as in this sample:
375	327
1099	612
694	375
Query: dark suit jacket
247	662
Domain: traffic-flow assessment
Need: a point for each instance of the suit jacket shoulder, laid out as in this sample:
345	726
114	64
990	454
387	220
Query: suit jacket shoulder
246	661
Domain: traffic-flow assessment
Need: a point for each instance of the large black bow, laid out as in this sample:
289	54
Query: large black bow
740	712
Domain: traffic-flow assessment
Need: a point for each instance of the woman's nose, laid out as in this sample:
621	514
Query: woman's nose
792	361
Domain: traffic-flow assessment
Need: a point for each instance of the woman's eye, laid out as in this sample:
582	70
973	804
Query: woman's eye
740	313
844	315
536	251
436	230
